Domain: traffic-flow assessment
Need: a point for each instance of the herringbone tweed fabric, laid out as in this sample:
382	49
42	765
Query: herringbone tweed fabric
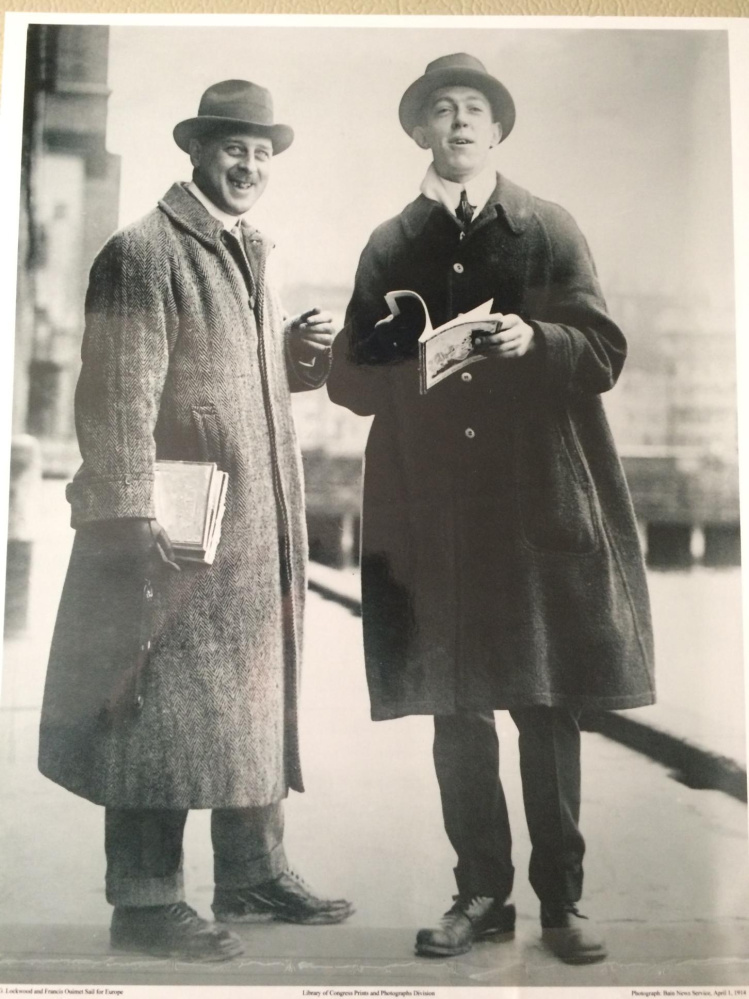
177	365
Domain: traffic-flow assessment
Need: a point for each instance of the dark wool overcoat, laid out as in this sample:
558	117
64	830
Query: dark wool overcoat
167	689
501	565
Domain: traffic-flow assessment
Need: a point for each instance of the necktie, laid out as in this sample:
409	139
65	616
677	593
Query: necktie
464	211
236	247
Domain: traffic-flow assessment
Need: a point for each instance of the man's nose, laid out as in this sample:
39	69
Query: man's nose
248	162
460	117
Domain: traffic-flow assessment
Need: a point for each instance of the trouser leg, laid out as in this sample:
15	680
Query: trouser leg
466	759
550	770
247	845
144	856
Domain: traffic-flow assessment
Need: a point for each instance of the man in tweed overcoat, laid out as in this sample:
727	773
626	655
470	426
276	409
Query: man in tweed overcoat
175	687
500	559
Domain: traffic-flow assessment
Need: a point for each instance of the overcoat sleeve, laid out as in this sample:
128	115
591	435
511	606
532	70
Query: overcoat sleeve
129	314
358	380
581	349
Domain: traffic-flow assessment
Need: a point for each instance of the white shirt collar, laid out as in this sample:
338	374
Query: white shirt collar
228	221
478	189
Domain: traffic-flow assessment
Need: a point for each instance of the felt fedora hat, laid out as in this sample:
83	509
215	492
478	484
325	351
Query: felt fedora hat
462	70
234	104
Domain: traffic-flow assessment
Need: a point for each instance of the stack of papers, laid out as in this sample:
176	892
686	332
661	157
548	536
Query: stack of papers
190	497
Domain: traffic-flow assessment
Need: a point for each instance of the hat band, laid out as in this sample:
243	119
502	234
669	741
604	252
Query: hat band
242	110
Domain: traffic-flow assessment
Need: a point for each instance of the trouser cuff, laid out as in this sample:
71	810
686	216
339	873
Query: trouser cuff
244	873
141	892
473	880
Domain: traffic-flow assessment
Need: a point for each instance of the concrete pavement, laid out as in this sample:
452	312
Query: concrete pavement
667	871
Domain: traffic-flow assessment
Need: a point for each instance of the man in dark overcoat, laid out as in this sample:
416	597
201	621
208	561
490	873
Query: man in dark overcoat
501	565
170	686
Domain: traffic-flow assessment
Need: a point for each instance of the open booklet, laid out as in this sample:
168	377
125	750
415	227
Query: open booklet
190	497
449	348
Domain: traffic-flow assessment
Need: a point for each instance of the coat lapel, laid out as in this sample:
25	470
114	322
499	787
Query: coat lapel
509	201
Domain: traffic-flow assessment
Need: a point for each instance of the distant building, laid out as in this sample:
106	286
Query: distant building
679	387
69	205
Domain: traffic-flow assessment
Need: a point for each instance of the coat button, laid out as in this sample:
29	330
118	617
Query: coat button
467	376
470	434
148	591
458	268
139	701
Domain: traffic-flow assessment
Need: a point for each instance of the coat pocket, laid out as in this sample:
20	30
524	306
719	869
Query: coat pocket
208	431
557	508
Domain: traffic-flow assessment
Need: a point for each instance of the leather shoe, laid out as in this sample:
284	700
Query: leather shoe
565	933
286	899
468	920
173	930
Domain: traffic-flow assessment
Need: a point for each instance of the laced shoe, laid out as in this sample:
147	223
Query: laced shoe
468	920
570	935
173	930
286	899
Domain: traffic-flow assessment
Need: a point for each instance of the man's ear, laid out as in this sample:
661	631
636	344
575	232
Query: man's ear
195	148
419	137
497	135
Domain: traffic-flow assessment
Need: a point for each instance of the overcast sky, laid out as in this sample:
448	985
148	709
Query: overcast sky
627	129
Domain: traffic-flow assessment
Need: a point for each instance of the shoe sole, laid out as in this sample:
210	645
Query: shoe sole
329	918
243	917
434	950
580	958
177	954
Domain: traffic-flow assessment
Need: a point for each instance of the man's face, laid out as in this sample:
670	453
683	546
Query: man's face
232	170
458	127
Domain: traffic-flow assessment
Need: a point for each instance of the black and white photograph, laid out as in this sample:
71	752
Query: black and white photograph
373	597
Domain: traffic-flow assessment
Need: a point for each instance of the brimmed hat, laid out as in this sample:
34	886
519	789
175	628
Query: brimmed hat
235	104
462	70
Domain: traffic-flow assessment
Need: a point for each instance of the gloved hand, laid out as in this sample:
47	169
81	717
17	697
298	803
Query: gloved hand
148	535
396	338
141	537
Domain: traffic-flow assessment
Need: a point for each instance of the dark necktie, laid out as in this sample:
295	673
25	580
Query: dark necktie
464	211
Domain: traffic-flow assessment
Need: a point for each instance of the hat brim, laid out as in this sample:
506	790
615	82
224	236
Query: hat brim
412	102
281	136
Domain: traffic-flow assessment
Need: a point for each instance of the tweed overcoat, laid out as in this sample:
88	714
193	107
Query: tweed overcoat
501	564
179	689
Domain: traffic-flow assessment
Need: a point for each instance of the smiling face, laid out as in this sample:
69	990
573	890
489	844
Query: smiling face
458	127
232	169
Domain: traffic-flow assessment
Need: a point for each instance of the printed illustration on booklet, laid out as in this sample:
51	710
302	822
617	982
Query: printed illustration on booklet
450	347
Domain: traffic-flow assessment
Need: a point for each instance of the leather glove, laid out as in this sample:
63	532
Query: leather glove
141	537
393	339
396	339
150	534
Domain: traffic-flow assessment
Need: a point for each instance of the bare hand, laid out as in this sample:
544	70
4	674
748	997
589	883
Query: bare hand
513	338
314	329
